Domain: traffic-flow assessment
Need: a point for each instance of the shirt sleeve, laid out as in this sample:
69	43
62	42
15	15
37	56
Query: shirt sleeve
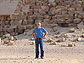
44	30
34	31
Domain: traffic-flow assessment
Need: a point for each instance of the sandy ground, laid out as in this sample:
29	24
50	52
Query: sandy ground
23	52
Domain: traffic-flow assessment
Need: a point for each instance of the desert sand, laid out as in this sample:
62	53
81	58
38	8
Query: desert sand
23	52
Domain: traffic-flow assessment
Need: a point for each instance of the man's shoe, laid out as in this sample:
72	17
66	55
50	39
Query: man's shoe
42	58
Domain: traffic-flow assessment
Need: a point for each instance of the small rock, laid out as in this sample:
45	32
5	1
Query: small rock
63	45
80	26
3	37
55	29
83	36
50	40
25	33
11	38
2	42
71	45
74	40
77	21
57	36
53	43
75	35
15	38
32	61
33	43
82	30
61	40
79	39
32	39
10	43
53	4
7	35
72	30
6	41
65	36
57	32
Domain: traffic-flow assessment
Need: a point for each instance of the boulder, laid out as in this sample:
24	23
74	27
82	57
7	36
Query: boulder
11	38
74	40
77	20
63	45
11	43
53	43
54	4
33	43
71	45
45	8
47	17
46	20
15	37
52	11
58	36
7	35
32	39
57	32
79	39
55	29
61	40
6	22
80	26
6	41
50	40
72	30
82	35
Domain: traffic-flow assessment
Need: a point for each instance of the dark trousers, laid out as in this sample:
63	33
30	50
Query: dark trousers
37	43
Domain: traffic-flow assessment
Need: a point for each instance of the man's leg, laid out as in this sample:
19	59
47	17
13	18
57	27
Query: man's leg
37	48
41	47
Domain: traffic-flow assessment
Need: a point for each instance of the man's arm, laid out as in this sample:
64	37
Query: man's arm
44	35
34	35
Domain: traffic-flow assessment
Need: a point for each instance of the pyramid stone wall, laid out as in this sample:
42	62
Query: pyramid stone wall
70	12
28	12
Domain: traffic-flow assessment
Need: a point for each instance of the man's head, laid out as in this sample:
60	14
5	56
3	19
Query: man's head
38	24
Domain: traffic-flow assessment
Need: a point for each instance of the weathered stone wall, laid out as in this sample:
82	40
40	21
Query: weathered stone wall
66	12
61	12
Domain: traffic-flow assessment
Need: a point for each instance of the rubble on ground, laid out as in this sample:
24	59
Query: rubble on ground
53	43
72	45
8	39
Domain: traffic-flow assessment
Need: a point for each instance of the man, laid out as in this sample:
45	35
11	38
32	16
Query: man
38	36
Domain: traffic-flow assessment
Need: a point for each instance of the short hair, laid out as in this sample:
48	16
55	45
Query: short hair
38	23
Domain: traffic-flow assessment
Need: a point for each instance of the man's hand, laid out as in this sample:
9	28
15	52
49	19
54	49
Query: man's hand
35	38
34	35
42	37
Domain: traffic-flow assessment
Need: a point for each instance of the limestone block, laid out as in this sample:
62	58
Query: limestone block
72	30
77	20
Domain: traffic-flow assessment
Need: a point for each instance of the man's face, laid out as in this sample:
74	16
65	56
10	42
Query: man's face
38	25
